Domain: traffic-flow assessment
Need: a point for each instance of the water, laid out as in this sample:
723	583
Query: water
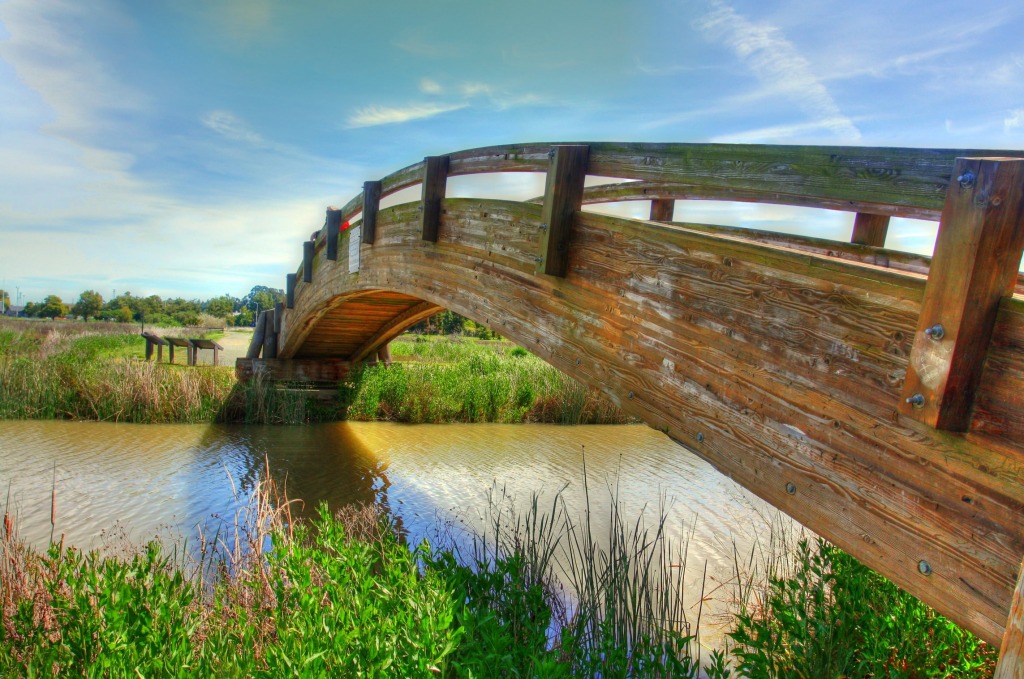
117	482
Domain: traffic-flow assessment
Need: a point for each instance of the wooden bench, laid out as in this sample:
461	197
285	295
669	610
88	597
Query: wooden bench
198	344
183	343
159	342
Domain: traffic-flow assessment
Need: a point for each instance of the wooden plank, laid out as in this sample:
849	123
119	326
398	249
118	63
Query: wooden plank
1011	652
435	177
665	190
977	254
371	205
278	316
662	210
563	194
292	370
289	284
308	250
333	229
870	229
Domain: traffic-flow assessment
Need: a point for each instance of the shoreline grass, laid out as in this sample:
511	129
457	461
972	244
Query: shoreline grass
94	371
540	594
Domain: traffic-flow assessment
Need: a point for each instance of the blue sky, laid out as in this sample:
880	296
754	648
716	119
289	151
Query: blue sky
187	147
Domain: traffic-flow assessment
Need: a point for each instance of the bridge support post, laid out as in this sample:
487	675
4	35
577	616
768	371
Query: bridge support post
977	254
563	197
435	178
662	210
289	284
333	229
371	204
308	251
869	229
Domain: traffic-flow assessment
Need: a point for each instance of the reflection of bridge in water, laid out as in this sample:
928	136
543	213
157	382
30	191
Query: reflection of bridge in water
874	395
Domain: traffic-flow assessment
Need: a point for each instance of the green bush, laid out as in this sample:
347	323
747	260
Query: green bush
834	617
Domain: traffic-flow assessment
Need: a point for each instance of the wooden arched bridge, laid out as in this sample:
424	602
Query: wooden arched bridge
874	395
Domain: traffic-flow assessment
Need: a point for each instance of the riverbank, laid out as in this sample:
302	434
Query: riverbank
93	371
302	606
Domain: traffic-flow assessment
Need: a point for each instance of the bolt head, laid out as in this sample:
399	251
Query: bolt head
924	567
791	488
700	437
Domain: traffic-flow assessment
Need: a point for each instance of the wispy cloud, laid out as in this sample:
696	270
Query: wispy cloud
779	65
232	127
387	115
1014	121
428	86
779	133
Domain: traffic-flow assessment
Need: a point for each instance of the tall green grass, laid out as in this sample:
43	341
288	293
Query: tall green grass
458	380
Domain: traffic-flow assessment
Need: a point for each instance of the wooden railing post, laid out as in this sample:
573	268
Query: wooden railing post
308	250
269	336
289	285
563	197
662	210
333	229
435	177
371	204
977	253
869	229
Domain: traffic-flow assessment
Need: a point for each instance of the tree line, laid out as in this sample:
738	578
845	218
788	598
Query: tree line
176	311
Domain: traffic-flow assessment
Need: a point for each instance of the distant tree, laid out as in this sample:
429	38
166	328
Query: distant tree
7	299
244	318
221	307
31	309
53	307
261	297
88	305
124	315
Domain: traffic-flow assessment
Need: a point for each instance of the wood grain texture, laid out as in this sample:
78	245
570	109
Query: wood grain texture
1011	653
789	364
322	370
977	254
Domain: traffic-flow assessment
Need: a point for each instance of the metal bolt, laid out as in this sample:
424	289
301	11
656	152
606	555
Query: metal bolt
542	227
924	567
700	437
791	488
936	332
578	361
966	180
538	259
630	396
551	153
917	400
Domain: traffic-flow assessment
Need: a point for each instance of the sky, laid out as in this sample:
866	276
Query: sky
187	147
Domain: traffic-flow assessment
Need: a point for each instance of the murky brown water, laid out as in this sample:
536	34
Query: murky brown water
164	480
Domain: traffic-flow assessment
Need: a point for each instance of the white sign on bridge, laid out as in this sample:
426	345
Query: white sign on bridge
355	238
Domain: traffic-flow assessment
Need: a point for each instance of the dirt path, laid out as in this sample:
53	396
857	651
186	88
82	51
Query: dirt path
235	342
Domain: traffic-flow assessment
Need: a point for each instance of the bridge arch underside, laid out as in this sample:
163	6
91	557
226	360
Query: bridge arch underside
780	368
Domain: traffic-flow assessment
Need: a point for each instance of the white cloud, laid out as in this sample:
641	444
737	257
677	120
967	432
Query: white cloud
428	86
387	115
1014	120
475	89
779	65
232	127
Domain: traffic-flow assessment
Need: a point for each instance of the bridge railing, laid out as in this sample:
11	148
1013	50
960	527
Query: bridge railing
875	183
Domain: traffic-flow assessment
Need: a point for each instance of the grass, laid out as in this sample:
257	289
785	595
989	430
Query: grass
92	371
539	593
460	380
